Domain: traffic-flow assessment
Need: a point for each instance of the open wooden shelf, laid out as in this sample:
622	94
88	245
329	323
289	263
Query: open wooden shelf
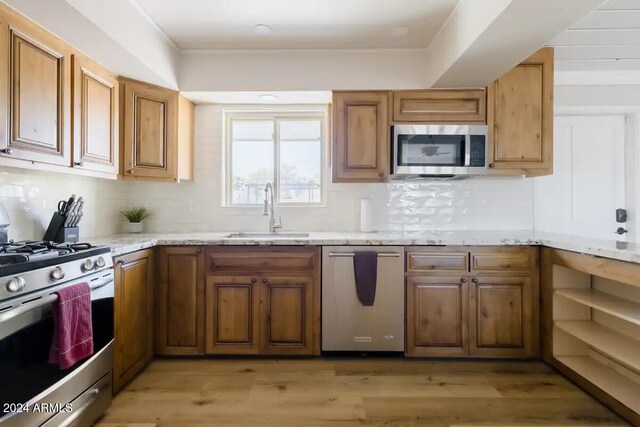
610	304
619	386
621	348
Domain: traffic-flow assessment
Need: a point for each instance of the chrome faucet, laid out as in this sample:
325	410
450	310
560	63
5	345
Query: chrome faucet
269	209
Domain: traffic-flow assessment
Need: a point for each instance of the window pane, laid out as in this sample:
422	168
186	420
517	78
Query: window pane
252	129
252	160
299	129
300	161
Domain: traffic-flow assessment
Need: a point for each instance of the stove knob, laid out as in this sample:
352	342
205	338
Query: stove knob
16	284
57	273
100	262
87	265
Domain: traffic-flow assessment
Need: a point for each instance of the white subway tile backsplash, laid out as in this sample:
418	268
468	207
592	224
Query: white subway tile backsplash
481	203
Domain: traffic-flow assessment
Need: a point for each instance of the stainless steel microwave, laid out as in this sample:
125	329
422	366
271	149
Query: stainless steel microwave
438	151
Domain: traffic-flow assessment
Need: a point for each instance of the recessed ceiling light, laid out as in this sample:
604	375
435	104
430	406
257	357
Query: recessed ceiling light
268	97
399	32
262	30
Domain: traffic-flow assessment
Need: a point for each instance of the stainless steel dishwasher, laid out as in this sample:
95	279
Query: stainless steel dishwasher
346	324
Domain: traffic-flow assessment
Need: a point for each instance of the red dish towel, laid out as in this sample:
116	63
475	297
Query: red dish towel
72	333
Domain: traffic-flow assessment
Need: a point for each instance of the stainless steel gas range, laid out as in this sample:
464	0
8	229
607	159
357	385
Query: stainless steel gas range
32	391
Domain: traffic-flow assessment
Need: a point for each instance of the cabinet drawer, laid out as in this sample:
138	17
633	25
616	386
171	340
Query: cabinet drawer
440	106
500	262
437	261
250	260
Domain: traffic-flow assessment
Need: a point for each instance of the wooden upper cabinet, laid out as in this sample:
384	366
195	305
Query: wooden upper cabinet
35	77
95	116
437	316
157	132
232	321
286	312
134	310
520	118
440	106
181	301
361	136
501	317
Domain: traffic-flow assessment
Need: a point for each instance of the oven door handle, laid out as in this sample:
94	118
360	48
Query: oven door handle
32	305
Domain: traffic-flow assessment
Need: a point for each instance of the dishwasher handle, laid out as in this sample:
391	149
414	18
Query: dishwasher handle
351	254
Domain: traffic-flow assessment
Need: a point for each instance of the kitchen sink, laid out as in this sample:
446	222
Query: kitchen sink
283	235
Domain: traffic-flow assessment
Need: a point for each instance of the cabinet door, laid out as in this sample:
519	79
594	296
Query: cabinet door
361	138
35	77
95	116
232	315
437	316
440	106
133	315
181	301
520	118
149	131
286	315
501	323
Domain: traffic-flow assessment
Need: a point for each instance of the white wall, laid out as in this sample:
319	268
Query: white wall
488	203
31	197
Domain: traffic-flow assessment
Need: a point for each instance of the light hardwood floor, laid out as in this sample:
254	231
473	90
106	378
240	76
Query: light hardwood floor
346	392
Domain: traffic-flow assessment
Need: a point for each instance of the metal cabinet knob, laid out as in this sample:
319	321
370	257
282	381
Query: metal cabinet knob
130	171
381	174
492	165
81	164
6	150
264	280
463	280
253	280
474	280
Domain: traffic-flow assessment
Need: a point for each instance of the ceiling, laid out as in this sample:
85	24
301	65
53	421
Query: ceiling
298	24
608	39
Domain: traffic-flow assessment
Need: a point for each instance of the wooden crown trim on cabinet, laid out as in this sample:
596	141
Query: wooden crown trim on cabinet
156	134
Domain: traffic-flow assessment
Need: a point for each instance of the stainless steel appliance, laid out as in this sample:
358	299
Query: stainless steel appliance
439	151
33	392
347	325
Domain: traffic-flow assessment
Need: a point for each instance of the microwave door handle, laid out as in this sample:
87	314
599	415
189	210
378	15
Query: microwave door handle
467	150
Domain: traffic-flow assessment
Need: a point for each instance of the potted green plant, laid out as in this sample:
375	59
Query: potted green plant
135	216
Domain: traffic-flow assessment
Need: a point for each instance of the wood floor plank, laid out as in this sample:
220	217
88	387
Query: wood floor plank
352	392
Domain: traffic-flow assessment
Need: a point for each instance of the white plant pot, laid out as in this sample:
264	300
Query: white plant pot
134	227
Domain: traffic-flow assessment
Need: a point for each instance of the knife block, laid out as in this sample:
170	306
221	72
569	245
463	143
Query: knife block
57	232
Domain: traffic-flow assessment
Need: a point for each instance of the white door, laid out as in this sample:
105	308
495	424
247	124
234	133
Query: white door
588	183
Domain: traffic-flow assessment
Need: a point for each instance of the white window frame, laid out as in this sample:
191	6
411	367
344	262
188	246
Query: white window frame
279	113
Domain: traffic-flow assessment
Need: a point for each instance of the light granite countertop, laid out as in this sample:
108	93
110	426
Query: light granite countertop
125	243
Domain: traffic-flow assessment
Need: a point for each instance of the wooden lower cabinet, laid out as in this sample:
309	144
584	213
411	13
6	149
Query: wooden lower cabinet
501	318
437	316
490	309
263	301
286	315
134	286
181	301
232	319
